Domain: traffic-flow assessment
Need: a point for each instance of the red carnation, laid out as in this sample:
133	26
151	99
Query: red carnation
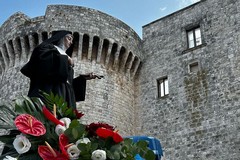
29	125
117	138
94	126
105	133
78	114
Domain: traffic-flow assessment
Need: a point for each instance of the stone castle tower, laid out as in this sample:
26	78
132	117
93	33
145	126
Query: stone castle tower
179	83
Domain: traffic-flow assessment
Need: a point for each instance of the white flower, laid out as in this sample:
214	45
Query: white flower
73	152
66	121
60	129
21	144
83	140
9	158
98	155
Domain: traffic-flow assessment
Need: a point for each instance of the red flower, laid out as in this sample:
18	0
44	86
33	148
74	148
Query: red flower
50	116
50	154
105	133
78	114
63	142
94	126
117	138
29	125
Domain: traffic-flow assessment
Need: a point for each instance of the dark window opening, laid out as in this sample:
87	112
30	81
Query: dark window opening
194	67
163	89
194	37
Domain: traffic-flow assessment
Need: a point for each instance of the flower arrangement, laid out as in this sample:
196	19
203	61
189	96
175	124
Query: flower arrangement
50	130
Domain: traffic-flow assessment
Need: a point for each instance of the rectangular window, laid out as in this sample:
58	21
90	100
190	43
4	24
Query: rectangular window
193	68
162	87
194	37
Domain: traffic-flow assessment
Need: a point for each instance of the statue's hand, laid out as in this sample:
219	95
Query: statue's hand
91	75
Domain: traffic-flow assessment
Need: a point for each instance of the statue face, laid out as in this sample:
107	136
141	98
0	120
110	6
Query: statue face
68	40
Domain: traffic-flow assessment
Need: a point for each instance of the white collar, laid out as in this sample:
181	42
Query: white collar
60	50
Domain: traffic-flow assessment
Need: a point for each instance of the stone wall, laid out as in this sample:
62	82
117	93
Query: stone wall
200	118
102	44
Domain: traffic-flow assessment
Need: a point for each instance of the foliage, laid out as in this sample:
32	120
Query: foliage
87	138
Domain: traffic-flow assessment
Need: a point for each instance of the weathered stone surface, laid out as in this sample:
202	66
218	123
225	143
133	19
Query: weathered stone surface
103	45
200	117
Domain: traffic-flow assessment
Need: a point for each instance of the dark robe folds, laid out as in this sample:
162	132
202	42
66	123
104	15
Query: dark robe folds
49	71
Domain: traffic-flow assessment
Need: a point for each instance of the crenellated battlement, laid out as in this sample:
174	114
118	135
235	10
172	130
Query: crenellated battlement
86	48
180	83
102	44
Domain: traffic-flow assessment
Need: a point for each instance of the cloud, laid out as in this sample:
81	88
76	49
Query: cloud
163	8
184	3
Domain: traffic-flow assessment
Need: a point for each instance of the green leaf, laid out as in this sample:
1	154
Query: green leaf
7	109
19	103
27	106
110	154
149	155
30	104
29	156
56	98
82	147
75	133
85	156
116	155
142	144
62	108
12	152
68	133
116	147
7	117
6	139
128	141
19	109
74	124
94	146
68	111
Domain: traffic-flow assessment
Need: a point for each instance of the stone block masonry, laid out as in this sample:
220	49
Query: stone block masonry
199	119
102	44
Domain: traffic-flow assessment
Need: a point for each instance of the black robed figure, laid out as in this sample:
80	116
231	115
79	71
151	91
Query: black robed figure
50	69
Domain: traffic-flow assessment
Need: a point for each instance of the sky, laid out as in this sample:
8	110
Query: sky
135	13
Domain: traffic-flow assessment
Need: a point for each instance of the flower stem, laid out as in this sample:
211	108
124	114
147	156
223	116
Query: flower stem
51	149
